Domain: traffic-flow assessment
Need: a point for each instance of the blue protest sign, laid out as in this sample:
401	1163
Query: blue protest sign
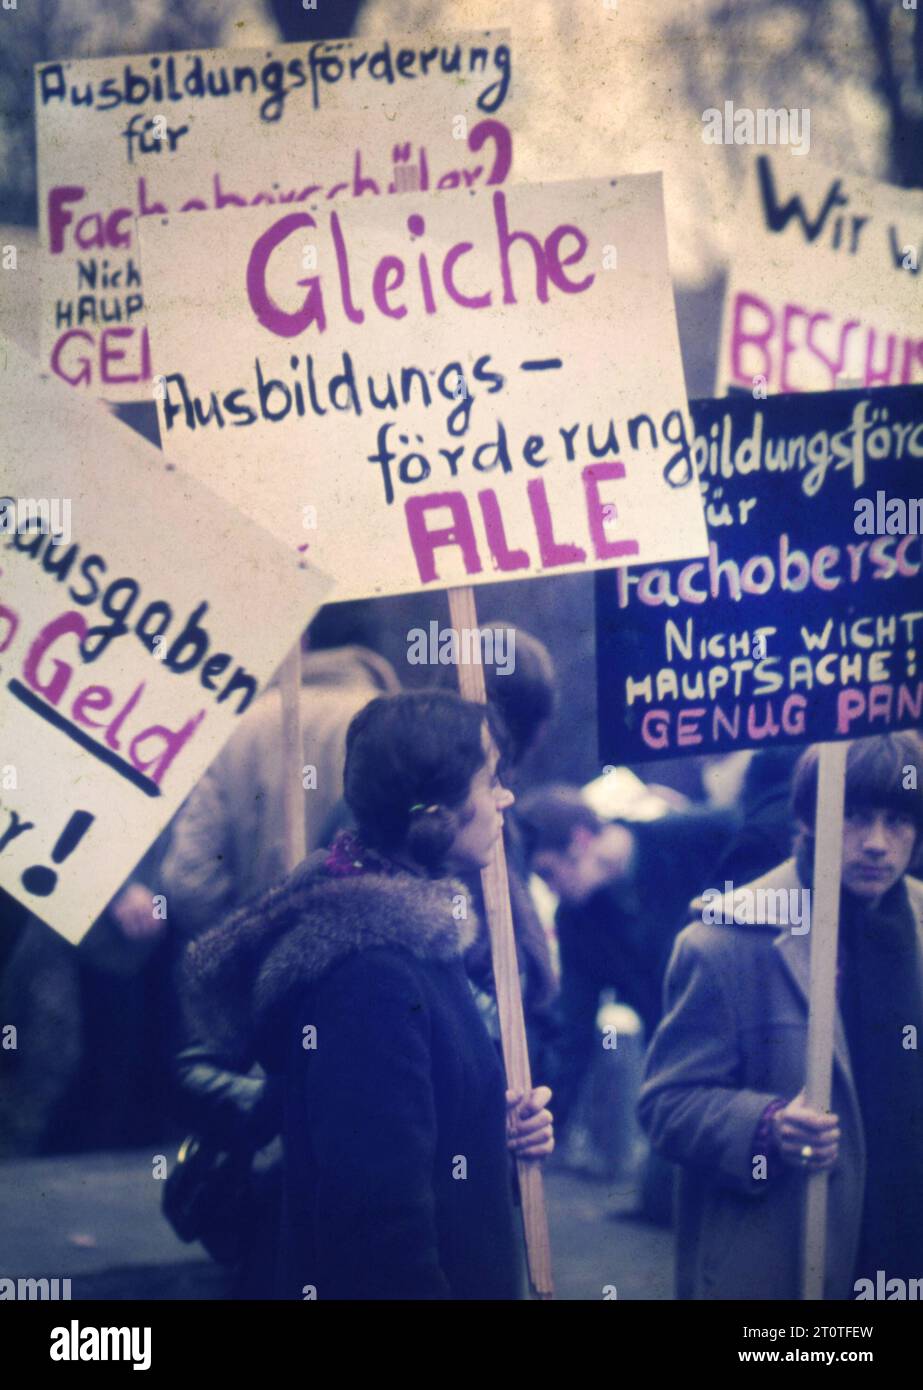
804	621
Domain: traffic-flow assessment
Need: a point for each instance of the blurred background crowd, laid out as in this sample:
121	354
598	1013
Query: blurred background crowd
603	863
601	876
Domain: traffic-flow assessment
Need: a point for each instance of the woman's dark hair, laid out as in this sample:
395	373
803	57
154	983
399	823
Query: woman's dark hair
875	777
413	751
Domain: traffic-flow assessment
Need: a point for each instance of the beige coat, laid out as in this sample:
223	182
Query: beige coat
732	1039
228	841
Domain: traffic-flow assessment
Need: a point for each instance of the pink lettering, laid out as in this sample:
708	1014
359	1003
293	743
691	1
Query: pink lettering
59	215
425	542
54	685
503	144
268	313
655	728
479	301
552	552
824	559
758	336
109	354
789	313
504	558
850	706
95	697
593	475
389	275
687	726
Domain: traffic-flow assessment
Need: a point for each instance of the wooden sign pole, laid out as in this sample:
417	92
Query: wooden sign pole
825	912
292	749
463	613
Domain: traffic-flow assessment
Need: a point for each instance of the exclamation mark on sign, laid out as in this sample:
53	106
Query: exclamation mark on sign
911	661
41	880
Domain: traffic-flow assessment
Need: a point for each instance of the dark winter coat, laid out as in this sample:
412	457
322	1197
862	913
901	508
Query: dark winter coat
352	990
621	937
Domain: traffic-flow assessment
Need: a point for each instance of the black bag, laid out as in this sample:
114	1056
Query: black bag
207	1197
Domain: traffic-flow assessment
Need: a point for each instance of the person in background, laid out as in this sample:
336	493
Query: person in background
100	1020
347	980
622	891
227	847
227	843
523	690
765	834
723	1092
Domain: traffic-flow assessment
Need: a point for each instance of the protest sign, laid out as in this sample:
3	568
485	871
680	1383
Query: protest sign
434	392
825	283
804	623
129	643
453	393
140	136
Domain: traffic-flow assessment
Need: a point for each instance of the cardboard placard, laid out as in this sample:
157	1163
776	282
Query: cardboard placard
434	390
140	136
805	622
134	632
826	282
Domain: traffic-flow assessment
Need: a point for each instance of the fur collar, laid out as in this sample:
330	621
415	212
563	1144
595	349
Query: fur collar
238	975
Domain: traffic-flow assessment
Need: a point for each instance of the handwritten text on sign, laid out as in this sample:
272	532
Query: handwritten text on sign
129	646
826	283
805	621
136	137
462	388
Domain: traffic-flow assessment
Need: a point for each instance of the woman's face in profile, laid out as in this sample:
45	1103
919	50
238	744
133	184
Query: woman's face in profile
482	813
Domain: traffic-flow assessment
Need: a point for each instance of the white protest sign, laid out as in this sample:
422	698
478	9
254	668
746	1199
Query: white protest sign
825	288
139	617
135	137
467	388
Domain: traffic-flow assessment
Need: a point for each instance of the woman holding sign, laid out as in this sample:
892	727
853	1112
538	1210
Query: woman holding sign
348	982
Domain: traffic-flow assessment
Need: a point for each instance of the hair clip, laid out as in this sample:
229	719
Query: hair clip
427	810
